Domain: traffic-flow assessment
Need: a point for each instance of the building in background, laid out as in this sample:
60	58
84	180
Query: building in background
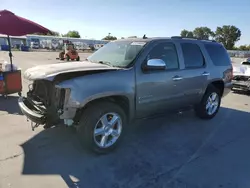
14	40
51	42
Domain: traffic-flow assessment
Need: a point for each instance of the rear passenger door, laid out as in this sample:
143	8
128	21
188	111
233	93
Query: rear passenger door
195	73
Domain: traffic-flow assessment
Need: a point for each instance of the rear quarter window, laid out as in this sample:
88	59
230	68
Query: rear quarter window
218	54
193	57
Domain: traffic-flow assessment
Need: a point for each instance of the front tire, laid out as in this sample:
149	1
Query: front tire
101	127
210	103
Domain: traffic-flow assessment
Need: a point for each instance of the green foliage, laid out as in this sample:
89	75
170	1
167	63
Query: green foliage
72	34
203	33
228	35
109	37
242	48
187	34
53	33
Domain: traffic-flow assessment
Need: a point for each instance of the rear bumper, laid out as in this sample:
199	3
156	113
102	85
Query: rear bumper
26	108
227	89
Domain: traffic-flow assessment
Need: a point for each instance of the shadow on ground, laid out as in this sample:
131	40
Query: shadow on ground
10	105
151	155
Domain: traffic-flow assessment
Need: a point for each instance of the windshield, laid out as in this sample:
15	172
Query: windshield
117	53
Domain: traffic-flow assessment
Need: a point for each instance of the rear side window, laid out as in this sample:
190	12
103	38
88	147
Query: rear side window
218	54
193	57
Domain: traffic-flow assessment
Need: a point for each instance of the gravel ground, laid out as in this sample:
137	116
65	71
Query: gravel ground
176	151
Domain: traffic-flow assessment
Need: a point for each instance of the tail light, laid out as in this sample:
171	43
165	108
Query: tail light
232	72
228	75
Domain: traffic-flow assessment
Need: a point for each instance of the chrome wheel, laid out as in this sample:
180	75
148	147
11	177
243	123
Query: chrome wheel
107	130
212	103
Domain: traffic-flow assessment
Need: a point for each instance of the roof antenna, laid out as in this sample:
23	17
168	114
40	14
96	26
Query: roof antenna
144	36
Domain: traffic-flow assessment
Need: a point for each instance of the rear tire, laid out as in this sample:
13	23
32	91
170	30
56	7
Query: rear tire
109	136
210	103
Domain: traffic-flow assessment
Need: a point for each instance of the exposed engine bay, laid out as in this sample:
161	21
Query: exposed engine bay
45	103
45	99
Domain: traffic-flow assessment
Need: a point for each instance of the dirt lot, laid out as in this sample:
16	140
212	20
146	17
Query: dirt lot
176	151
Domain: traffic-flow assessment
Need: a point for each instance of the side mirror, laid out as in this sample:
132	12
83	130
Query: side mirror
155	64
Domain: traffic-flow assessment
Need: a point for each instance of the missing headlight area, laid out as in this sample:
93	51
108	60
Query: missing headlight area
47	100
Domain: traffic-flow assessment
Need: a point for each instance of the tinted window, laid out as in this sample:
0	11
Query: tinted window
166	52
218	54
193	57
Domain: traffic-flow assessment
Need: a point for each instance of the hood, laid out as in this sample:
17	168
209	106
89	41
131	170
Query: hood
50	70
241	70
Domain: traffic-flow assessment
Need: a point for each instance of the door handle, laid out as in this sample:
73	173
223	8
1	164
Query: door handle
177	78
205	74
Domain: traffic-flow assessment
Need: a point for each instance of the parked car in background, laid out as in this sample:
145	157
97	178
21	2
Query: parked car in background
126	80
241	76
34	45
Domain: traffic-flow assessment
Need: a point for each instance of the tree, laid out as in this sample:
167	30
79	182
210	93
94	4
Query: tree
228	35
187	34
109	37
244	48
72	34
203	33
53	33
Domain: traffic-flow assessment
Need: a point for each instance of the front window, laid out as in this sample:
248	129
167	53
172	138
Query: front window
117	53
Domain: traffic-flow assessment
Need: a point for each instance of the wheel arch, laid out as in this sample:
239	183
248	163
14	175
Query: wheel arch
219	84
121	100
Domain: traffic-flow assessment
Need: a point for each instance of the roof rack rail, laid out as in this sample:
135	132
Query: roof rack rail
179	37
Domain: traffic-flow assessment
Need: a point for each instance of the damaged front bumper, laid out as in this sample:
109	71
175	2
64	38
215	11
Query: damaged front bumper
241	85
38	114
33	113
241	82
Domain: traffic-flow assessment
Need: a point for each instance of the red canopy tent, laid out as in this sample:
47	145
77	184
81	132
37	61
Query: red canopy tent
13	25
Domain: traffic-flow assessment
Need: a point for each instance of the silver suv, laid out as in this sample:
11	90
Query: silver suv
126	80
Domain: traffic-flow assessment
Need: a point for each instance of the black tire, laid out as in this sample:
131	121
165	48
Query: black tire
78	58
61	55
90	118
67	57
200	109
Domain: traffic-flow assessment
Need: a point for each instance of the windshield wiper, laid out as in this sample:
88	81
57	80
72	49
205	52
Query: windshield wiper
106	63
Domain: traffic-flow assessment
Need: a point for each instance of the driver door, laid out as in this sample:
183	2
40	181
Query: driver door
159	90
